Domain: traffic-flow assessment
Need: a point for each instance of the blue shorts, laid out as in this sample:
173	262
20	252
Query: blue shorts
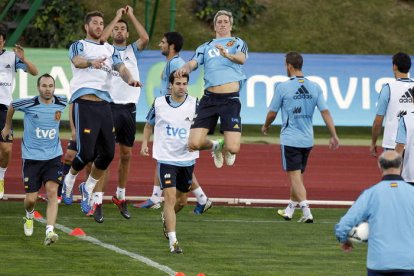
175	176
212	106
37	172
293	158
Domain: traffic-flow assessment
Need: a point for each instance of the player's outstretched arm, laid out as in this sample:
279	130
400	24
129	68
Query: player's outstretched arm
7	126
143	39
146	137
126	75
327	118
186	68
108	29
271	116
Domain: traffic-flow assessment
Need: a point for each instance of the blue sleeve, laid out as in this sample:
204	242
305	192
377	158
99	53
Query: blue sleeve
76	49
136	50
22	104
401	132
276	100
20	65
199	54
383	100
116	58
321	103
358	213
242	47
151	115
63	100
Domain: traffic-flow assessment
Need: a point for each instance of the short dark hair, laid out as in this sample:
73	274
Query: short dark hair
46	75
402	61
295	59
89	15
175	38
386	163
172	78
3	33
123	21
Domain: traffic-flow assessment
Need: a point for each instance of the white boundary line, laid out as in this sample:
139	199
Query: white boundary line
230	201
116	249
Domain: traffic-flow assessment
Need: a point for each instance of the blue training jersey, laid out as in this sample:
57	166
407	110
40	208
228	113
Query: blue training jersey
41	127
297	99
172	65
219	70
389	208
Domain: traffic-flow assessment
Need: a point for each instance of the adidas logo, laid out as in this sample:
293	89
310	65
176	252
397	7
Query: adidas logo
8	66
407	97
401	113
35	116
302	93
297	110
127	58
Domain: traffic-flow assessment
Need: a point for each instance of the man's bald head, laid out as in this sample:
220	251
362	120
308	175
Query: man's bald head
390	159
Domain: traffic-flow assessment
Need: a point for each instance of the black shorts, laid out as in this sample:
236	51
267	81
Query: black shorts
212	106
3	115
175	176
125	123
37	172
293	158
72	145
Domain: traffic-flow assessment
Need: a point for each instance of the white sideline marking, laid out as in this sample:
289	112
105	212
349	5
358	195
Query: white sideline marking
116	249
266	221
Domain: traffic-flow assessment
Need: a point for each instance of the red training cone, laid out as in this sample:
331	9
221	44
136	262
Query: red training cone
77	232
37	215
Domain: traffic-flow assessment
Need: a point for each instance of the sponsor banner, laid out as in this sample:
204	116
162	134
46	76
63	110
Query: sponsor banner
350	83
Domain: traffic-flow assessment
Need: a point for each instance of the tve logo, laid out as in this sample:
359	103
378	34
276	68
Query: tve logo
46	133
177	132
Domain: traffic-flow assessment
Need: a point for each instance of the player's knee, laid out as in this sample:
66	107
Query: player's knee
233	148
125	156
68	157
102	161
193	145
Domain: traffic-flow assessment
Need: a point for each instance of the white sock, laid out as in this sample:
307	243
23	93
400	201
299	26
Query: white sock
90	184
30	214
97	197
120	193
200	195
172	238
215	145
2	172
290	209
156	194
70	180
49	228
304	205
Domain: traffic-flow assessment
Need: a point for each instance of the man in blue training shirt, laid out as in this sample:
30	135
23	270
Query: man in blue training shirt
41	150
297	99
223	58
388	207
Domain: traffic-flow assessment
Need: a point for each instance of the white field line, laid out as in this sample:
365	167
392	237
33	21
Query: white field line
116	249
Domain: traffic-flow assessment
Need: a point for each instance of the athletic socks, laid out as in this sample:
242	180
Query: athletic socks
120	193
172	238
30	214
2	172
97	197
156	194
304	205
70	180
290	209
49	228
90	184
215	144
200	195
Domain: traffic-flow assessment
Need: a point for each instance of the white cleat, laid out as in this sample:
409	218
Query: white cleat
51	237
28	226
230	158
218	155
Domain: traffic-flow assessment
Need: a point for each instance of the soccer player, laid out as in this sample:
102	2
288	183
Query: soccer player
123	106
170	46
41	150
395	100
223	58
92	65
170	118
405	143
388	208
297	99
9	63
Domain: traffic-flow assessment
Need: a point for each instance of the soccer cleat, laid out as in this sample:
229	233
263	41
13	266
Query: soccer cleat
217	154
283	214
28	226
85	198
98	213
147	204
122	206
229	158
164	226
43	197
59	199
67	194
175	248
51	237
304	219
91	211
199	209
1	188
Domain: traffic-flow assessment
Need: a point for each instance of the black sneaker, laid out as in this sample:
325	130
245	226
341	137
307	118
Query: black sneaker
98	214
122	206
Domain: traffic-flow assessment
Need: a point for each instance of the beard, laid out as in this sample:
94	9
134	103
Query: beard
119	40
94	34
